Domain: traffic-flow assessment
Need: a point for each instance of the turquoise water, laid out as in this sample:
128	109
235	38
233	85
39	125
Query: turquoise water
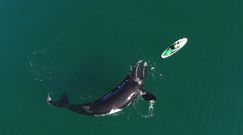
85	48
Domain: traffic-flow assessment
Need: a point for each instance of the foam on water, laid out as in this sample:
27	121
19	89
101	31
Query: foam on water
42	71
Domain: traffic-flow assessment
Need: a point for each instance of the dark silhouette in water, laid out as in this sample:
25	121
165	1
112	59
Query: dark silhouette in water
120	97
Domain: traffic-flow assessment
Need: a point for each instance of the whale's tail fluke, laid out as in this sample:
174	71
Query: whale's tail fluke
61	103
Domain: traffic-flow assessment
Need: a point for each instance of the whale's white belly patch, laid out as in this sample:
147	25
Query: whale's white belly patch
113	111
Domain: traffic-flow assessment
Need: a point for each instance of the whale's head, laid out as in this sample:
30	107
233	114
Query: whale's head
138	72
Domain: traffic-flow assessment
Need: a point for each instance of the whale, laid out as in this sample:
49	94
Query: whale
131	88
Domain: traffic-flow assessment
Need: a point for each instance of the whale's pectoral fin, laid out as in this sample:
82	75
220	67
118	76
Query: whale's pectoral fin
148	96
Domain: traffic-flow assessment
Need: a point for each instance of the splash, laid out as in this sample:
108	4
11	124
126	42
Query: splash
151	109
154	71
148	113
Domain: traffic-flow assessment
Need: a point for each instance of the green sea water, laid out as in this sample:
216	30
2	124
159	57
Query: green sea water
85	48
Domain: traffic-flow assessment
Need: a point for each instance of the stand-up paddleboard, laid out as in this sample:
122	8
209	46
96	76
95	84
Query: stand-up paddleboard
174	48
